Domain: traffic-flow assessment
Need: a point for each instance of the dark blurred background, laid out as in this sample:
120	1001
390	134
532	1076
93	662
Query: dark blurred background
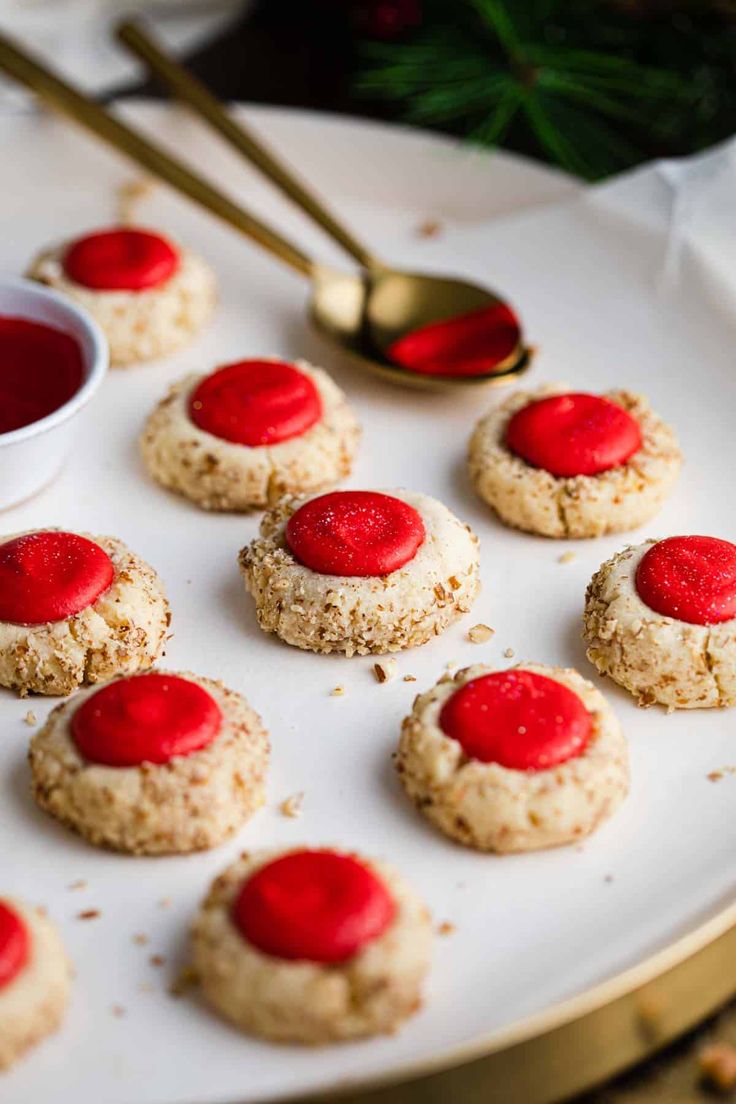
591	86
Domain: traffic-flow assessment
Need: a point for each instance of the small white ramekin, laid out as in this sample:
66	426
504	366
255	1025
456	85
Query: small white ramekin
31	456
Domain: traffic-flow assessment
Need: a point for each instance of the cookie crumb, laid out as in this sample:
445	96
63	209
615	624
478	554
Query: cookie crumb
567	557
337	692
186	979
118	1010
165	902
30	718
140	939
385	670
157	960
81	884
509	653
480	634
429	228
446	928
715	776
717	1064
130	196
292	806
89	914
409	678
450	664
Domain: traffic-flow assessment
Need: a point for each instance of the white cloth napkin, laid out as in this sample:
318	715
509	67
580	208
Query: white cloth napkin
692	200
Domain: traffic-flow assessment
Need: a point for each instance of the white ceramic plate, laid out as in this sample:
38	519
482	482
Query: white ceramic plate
530	930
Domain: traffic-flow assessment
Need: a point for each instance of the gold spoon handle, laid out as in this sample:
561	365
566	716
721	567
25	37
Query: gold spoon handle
70	102
190	90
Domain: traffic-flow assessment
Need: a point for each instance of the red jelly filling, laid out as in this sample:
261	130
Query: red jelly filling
690	578
256	402
15	944
40	369
145	719
47	576
518	719
122	259
313	905
355	533
573	434
472	344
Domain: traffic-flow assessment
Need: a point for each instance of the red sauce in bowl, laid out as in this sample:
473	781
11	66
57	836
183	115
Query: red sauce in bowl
41	368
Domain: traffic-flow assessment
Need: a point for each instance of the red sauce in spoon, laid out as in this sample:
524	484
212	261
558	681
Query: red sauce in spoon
472	344
40	369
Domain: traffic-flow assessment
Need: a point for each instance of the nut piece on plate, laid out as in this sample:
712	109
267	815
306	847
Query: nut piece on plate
152	764
34	979
250	432
312	946
361	572
660	620
566	464
514	760
149	295
76	609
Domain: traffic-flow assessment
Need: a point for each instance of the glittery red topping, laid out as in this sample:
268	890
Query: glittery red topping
573	434
313	905
692	579
149	718
355	533
15	944
256	402
48	576
518	719
121	259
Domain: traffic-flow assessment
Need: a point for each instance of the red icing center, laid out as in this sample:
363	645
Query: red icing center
15	944
313	905
355	533
48	576
692	579
573	434
518	719
256	402
472	344
145	719
40	369
123	259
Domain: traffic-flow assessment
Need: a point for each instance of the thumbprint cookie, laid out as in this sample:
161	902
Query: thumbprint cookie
567	464
514	760
312	946
152	764
75	609
361	571
249	433
34	979
149	295
660	620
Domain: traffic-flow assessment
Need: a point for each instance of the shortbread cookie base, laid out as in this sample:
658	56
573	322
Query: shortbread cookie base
189	804
656	658
124	631
493	808
310	1002
140	325
331	613
536	501
32	1005
221	475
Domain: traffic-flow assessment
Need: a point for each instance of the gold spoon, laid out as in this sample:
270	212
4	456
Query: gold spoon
361	313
